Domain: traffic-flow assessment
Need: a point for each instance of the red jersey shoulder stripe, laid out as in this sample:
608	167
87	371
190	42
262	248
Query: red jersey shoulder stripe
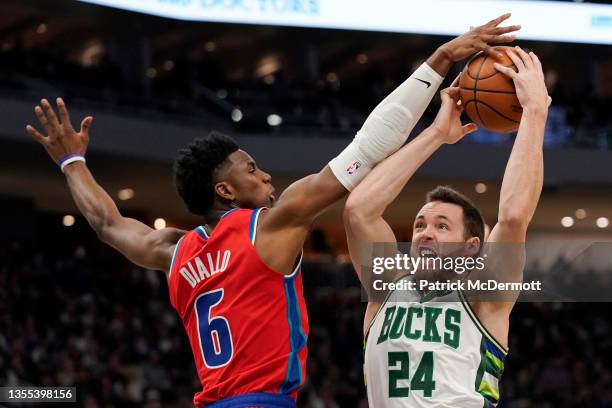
253	224
297	337
229	212
176	249
202	232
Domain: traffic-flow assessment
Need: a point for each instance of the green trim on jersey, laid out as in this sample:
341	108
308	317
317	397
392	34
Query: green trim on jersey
482	365
479	325
365	378
492	356
489	370
494	366
493	362
491	367
489	391
487	384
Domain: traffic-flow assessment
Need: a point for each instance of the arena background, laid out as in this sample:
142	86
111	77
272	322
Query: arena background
75	313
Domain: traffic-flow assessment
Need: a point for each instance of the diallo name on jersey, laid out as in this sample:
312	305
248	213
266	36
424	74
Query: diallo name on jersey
196	270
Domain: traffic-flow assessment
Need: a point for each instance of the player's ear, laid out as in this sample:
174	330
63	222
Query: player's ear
473	245
225	191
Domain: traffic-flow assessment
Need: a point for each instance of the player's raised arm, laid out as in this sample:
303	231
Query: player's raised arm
282	229
138	242
384	132
524	175
365	206
520	193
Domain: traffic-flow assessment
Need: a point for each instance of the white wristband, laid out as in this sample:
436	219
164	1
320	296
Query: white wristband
72	159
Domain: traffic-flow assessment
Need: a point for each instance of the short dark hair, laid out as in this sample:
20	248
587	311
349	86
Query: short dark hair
472	219
195	166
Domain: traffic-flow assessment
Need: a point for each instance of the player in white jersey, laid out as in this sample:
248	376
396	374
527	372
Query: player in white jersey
431	349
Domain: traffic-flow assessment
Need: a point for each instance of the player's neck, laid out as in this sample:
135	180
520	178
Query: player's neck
212	218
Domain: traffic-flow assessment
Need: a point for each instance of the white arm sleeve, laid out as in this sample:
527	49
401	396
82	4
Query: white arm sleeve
387	127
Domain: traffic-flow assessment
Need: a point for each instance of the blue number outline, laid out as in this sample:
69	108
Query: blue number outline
209	320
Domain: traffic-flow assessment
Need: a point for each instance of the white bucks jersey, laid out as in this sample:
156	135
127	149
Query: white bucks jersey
431	353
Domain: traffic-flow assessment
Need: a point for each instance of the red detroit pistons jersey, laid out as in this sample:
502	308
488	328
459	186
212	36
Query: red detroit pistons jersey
247	324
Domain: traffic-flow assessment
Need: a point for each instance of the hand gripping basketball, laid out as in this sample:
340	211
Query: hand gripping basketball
480	38
529	80
448	120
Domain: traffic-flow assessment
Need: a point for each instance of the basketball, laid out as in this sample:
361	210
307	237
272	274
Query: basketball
489	97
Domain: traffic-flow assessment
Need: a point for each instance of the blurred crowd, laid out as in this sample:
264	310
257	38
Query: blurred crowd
204	90
75	313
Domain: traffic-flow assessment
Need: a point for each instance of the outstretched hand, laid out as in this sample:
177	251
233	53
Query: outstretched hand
61	139
480	39
448	120
529	80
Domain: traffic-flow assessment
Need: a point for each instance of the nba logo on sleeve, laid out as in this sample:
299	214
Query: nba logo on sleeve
353	167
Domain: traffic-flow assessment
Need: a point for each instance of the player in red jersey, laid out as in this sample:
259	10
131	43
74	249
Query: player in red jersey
235	281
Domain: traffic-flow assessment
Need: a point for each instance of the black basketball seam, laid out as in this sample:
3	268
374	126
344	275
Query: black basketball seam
494	110
476	101
476	87
467	66
490	91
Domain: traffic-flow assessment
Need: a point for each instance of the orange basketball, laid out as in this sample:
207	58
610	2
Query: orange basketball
489	97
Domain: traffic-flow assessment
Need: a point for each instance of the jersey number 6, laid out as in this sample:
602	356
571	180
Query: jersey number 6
214	333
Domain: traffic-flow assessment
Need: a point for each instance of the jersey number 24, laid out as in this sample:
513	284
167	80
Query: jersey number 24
422	379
